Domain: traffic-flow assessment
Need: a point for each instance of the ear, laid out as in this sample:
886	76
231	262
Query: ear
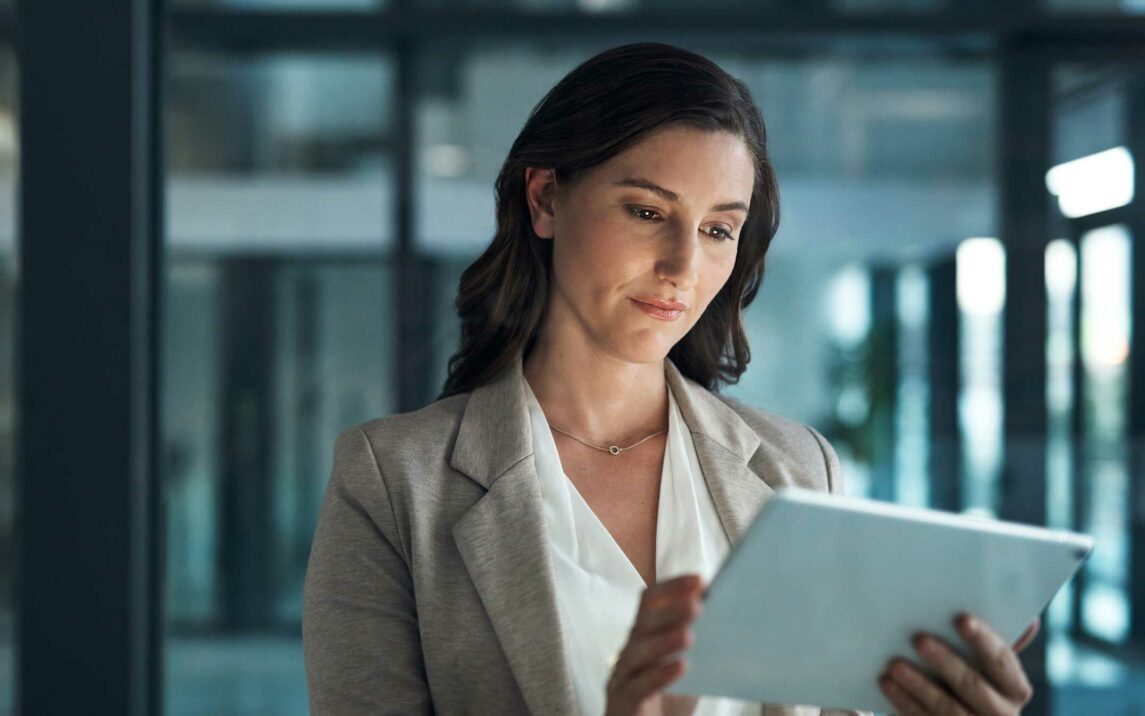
540	190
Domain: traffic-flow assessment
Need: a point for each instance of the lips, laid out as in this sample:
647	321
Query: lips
662	309
666	304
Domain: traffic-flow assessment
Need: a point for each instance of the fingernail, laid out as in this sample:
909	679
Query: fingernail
969	623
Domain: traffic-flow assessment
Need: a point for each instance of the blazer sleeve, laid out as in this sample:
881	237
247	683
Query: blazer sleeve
834	486
831	460
360	635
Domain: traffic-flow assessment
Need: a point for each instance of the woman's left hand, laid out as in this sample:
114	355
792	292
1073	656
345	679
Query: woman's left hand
1001	688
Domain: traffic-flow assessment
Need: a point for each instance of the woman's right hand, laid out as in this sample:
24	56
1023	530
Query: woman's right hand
651	660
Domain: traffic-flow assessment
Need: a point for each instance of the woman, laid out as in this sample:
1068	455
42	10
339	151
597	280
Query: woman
537	540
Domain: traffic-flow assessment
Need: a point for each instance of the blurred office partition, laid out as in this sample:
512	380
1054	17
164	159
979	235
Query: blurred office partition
952	296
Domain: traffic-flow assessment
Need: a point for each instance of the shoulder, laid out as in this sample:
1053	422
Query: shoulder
397	468
790	445
414	435
774	428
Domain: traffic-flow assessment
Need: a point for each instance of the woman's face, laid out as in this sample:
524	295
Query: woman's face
660	221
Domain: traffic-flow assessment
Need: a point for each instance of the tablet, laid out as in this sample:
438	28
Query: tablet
823	590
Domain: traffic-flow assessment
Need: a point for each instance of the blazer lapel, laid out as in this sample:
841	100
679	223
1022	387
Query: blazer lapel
504	544
724	446
503	541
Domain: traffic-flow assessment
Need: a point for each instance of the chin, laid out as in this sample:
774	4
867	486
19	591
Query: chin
643	349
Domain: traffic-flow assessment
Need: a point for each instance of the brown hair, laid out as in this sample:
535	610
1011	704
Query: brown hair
608	103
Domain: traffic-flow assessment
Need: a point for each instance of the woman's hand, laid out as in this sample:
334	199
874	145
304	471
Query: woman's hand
1001	688
650	660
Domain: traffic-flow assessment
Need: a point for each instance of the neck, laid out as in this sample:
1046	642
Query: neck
597	396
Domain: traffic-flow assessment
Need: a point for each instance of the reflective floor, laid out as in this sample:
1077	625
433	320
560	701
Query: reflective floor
264	676
253	676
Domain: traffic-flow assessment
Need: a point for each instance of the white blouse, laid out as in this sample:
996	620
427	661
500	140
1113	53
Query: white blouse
598	588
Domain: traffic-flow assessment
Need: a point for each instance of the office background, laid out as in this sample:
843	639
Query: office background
230	229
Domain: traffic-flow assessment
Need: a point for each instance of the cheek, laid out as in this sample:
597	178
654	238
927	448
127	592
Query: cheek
590	257
606	246
714	275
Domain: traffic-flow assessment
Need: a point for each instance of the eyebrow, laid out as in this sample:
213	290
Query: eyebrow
641	183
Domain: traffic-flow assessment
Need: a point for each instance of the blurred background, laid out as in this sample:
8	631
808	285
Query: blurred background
952	297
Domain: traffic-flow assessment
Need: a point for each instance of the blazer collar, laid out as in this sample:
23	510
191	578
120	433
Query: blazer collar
502	538
495	431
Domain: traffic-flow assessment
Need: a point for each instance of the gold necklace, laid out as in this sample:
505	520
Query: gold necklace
612	449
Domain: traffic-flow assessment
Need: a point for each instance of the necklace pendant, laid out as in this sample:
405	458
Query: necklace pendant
614	450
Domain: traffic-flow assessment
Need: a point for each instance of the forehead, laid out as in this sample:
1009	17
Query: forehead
689	161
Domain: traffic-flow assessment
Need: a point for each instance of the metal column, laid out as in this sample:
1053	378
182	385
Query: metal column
1135	126
1023	156
945	460
245	453
89	515
883	380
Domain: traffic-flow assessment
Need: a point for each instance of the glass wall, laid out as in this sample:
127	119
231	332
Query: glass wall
287	305
1105	309
280	323
278	333
884	168
1093	360
981	288
912	419
1061	362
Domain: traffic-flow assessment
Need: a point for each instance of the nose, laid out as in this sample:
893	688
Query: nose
679	262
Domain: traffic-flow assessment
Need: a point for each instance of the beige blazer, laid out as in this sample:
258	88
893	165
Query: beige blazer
430	587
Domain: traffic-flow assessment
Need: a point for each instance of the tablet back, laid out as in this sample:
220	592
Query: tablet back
823	590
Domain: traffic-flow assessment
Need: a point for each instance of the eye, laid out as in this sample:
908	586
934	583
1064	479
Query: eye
724	234
637	211
640	213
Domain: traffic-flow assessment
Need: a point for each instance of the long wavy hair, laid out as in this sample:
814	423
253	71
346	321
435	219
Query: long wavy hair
605	105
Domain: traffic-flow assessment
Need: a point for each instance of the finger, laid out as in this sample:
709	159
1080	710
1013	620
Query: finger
670	590
683	608
679	704
999	661
1028	635
904	703
644	652
647	682
968	684
660	627
934	698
